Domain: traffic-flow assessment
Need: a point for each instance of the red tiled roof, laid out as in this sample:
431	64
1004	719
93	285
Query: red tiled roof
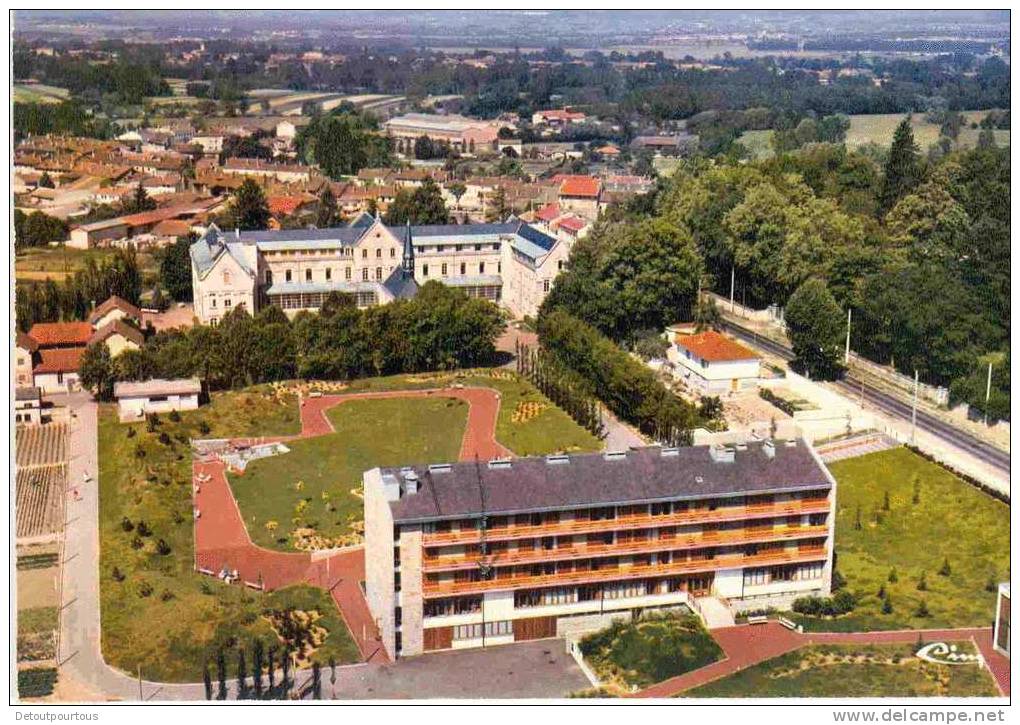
579	186
115	303
284	205
25	342
117	327
548	212
51	334
714	347
59	360
573	223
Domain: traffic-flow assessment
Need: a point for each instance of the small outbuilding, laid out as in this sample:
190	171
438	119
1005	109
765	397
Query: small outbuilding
27	405
711	363
134	400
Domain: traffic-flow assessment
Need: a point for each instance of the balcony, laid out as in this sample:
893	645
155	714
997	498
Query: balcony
623	523
445	589
584	551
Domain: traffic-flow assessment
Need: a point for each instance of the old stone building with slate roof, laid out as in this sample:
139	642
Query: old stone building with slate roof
510	263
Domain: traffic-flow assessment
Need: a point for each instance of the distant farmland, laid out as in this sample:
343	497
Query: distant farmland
879	129
39	93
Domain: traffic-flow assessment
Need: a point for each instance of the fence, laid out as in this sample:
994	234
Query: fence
574	649
932	393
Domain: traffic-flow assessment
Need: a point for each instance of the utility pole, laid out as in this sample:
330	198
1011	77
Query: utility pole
733	282
988	391
140	698
913	413
846	356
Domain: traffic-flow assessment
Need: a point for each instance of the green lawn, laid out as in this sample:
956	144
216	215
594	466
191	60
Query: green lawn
953	520
38	263
36	628
854	671
313	486
161	614
650	650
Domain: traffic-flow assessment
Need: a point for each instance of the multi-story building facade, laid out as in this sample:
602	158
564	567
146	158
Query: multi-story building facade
510	263
473	554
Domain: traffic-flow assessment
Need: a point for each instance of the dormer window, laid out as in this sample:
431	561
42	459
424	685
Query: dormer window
226	276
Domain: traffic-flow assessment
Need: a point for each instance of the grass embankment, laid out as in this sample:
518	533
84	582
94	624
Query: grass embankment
950	522
40	263
854	671
310	497
312	494
649	650
156	611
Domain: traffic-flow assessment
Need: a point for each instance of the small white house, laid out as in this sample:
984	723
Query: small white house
27	405
134	400
711	363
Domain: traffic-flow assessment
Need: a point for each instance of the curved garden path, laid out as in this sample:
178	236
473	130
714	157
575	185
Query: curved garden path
221	538
747	645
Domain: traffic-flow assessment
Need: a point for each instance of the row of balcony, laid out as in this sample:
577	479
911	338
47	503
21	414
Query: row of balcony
432	589
469	560
630	522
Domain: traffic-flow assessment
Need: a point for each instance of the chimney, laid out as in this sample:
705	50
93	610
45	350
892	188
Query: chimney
722	454
411	482
769	448
391	487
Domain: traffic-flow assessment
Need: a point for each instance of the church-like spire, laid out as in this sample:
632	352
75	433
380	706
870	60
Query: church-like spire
408	261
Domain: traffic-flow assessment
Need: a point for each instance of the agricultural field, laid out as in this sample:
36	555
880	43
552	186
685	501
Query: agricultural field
58	262
909	532
41	479
37	634
854	671
633	655
38	93
878	129
41	445
157	612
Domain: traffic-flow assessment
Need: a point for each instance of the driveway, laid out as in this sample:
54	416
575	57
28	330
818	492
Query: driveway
524	670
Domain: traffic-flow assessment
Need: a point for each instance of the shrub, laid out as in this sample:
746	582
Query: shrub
143	529
167	595
152	422
125	523
174	416
922	583
881	592
887	607
131	432
784	405
117	575
139	451
842	602
137	543
991	585
922	610
893	577
945	569
203	427
162	548
205	587
165	439
144	589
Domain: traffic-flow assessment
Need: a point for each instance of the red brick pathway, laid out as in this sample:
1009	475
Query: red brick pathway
222	541
747	645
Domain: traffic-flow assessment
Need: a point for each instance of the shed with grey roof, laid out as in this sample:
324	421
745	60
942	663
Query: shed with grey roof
136	399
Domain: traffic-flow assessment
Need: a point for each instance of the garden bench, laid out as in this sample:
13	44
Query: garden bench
757	619
789	624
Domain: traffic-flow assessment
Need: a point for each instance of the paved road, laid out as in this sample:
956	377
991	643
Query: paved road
891	405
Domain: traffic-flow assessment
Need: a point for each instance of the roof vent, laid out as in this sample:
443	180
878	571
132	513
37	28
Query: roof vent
411	483
722	454
500	463
791	443
557	460
669	452
699	479
615	455
439	468
769	448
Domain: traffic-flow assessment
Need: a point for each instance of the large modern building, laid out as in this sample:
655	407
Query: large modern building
510	263
466	135
473	554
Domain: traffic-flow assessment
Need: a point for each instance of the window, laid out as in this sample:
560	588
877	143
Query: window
308	275
440	247
287	275
347	273
378	254
226	302
329	274
213	321
559	264
269	277
481	268
364	254
444	269
492	629
364	274
463	268
545	285
212	302
460	247
424	270
495	247
378	273
753	577
393	252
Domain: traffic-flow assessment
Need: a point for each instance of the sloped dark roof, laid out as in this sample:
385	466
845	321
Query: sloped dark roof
642	475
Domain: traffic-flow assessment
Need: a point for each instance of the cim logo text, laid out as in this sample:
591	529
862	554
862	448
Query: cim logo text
941	653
